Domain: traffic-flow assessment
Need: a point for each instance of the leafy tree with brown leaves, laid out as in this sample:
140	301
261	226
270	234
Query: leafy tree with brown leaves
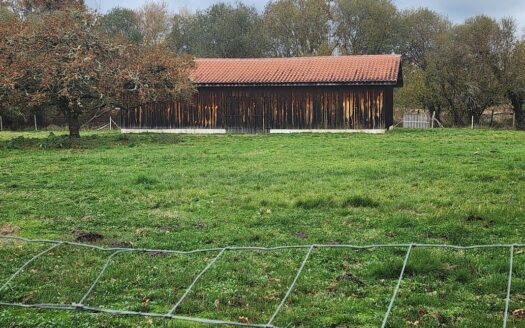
24	8
62	59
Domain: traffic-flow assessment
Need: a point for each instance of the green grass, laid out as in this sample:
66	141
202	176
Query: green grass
187	192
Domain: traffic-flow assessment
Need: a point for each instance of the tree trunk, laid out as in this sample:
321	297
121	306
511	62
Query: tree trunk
438	113
457	116
477	117
73	124
520	119
71	118
519	113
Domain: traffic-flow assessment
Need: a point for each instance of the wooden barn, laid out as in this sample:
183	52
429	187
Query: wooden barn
279	95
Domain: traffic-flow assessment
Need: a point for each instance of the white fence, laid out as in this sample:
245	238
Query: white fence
417	121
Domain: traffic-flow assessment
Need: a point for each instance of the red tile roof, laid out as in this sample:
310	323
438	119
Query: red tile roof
353	70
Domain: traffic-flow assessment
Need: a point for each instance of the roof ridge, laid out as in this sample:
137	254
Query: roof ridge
298	58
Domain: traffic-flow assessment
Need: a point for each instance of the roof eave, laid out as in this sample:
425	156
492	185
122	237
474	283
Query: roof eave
396	83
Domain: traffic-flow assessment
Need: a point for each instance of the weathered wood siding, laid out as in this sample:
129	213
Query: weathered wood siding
258	109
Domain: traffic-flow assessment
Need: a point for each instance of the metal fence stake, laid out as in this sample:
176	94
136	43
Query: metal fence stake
509	286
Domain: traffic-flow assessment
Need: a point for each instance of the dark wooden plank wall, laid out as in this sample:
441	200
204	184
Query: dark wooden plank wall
257	109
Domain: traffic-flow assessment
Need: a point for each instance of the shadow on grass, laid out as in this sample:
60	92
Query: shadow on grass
53	141
360	201
328	202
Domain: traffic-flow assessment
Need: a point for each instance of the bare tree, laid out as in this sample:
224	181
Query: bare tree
154	22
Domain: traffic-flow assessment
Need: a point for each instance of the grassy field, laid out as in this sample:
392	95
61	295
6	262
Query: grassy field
187	192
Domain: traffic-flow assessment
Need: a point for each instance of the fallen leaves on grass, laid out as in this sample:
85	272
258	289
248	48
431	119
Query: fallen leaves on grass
122	244
519	313
140	231
244	319
8	229
199	226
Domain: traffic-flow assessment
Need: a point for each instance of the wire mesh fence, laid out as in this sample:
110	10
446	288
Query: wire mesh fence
216	255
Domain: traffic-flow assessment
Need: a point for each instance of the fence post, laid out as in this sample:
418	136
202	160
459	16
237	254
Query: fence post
1	124
110	122
433	118
513	120
472	122
34	118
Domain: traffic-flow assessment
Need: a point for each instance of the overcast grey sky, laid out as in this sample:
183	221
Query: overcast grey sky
456	10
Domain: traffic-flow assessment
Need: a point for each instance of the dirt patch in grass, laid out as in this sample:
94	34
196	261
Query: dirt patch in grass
301	235
348	276
473	218
158	254
9	229
86	236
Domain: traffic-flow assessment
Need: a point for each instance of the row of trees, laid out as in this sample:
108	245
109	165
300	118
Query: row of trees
286	28
58	55
456	70
470	67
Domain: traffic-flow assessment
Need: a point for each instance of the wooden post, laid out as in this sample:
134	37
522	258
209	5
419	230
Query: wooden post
513	120
34	118
433	119
1	124
472	122
110	122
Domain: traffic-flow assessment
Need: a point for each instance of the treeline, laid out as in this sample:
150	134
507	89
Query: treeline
452	70
457	70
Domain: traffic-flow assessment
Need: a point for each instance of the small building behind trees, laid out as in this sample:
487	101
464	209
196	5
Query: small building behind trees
272	95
